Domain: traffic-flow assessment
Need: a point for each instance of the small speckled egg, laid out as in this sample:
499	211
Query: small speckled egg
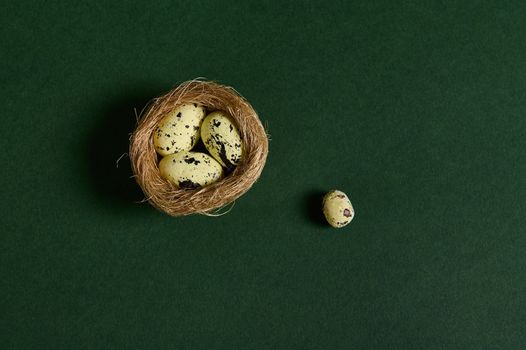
337	209
221	138
179	130
190	170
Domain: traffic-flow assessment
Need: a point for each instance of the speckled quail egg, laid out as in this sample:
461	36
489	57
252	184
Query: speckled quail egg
222	139
337	208
179	130
190	170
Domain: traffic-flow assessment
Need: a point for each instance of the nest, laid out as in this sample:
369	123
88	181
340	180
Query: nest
167	197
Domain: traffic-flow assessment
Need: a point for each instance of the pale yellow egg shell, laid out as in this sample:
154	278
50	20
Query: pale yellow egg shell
179	130
337	209
222	139
190	170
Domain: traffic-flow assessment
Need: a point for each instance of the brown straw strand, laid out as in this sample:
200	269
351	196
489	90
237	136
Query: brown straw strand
179	202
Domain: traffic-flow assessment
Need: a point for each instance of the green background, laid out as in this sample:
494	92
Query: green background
416	109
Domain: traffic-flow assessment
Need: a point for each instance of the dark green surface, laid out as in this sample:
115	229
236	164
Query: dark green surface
416	109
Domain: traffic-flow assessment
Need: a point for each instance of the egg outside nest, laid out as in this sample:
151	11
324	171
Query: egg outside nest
175	201
337	209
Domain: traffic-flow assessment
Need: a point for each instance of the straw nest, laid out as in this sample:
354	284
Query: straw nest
207	200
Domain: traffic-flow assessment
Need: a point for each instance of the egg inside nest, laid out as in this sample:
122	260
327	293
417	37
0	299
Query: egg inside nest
187	163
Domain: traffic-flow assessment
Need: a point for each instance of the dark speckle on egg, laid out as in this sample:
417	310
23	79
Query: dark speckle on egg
188	184
192	161
223	155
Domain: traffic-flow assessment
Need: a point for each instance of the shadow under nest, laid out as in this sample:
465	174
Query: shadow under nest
107	148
